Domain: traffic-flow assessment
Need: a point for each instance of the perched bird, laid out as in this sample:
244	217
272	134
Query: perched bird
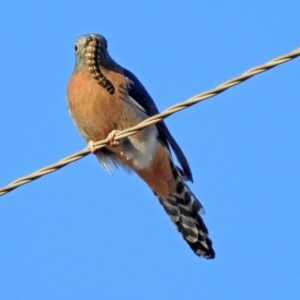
103	98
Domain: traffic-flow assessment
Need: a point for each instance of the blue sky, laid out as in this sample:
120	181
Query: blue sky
81	233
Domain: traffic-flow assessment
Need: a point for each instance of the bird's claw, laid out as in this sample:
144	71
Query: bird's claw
91	147
111	139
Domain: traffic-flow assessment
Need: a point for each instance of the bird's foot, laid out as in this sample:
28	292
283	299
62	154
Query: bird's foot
91	147
111	138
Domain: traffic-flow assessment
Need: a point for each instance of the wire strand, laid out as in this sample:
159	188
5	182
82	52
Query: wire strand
153	120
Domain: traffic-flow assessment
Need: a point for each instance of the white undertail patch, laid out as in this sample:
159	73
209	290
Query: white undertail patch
141	152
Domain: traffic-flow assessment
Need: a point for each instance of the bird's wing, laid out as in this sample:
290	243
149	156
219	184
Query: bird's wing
144	102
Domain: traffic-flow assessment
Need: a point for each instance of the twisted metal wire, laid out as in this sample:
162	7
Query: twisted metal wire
153	120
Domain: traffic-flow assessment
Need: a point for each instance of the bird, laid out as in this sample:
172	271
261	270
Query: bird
104	98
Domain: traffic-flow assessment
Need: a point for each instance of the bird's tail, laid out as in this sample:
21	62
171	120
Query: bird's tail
183	208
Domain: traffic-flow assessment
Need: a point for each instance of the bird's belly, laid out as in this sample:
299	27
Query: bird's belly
94	111
97	113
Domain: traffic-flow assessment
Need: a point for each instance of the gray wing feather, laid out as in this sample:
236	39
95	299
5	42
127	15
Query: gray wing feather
143	101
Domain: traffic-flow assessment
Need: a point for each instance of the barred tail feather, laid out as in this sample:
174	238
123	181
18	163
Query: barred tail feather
183	208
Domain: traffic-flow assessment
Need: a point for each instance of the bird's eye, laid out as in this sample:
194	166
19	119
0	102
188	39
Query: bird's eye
76	48
105	45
